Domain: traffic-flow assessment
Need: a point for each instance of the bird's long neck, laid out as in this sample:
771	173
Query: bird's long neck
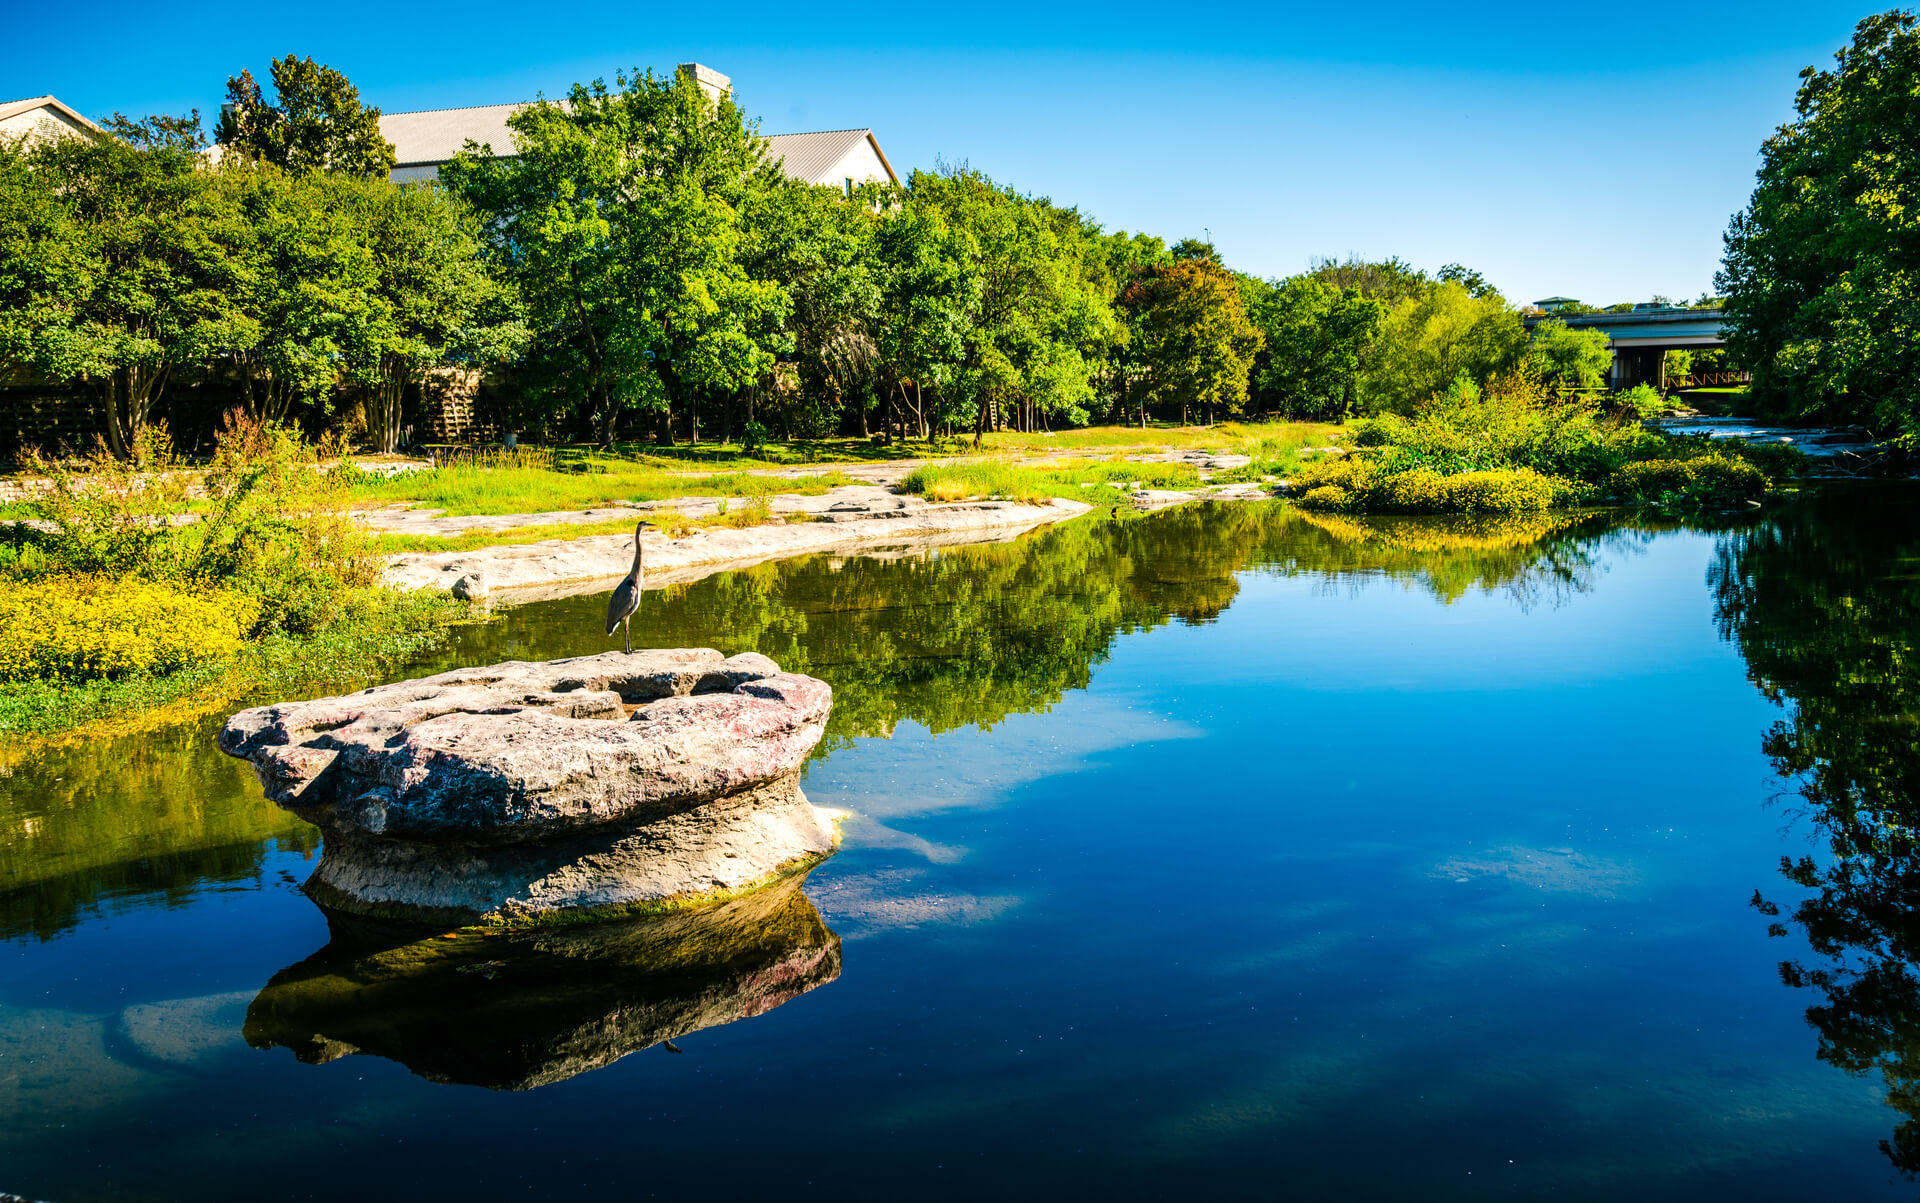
636	554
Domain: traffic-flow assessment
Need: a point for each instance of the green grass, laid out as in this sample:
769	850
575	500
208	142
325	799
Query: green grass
464	490
1240	437
1076	479
753	513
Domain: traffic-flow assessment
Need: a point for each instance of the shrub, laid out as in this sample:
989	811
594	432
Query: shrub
83	628
1372	486
273	523
1702	478
1501	491
1640	401
753	436
1326	497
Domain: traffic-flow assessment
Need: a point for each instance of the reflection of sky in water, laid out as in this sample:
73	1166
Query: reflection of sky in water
1345	892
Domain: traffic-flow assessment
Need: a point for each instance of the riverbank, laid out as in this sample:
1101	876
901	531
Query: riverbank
854	516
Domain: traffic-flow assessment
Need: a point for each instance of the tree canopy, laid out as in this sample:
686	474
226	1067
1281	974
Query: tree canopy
1822	272
314	123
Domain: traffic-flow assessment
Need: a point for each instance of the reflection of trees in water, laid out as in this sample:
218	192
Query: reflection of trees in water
969	635
1532	558
152	814
960	637
1823	603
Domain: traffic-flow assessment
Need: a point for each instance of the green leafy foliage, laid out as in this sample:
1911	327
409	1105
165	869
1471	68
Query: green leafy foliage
619	219
1567	358
1822	272
315	123
1518	445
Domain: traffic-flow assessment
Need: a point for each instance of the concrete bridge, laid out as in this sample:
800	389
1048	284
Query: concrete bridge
1641	338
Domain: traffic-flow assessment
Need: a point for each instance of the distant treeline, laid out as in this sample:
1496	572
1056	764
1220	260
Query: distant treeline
640	264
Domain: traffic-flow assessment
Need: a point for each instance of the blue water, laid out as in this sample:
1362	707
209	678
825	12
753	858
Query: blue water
1340	886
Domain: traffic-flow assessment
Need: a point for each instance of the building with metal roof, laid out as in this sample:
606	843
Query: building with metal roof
425	141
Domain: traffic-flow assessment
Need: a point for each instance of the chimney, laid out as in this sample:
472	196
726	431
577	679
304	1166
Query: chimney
714	84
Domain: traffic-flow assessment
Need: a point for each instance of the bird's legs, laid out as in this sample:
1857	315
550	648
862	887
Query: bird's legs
626	633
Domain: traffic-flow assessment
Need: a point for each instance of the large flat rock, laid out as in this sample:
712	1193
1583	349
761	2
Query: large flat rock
601	783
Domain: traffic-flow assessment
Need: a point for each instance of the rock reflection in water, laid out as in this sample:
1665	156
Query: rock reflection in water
516	1010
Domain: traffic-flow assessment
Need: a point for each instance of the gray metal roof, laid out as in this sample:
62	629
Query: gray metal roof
433	136
436	135
815	158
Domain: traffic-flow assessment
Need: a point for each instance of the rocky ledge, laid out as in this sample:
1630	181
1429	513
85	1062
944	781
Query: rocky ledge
601	785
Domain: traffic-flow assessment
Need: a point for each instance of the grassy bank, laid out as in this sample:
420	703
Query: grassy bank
540	481
1078	479
117	617
376	629
512	486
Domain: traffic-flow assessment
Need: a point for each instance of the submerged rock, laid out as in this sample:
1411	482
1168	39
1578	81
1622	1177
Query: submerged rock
513	1011
602	784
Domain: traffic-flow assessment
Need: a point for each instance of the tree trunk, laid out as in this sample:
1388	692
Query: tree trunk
128	394
383	403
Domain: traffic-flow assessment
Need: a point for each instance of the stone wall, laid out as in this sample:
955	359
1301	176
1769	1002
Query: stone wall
47	417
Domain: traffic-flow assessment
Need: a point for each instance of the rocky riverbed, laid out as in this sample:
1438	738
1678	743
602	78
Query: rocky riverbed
853	516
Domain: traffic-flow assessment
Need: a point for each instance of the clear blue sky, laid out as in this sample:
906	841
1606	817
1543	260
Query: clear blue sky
1595	152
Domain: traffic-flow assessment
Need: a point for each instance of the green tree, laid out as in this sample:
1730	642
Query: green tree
1822	270
45	271
160	270
1429	341
819	247
1033	319
1319	341
316	122
307	280
926	289
1392	280
433	301
1196	343
1569	358
620	219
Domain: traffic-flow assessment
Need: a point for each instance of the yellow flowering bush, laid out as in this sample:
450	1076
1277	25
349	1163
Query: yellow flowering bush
1326	497
1361	484
1703	476
79	628
1499	491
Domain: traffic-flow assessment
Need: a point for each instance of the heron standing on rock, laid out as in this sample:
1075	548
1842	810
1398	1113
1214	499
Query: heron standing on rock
625	602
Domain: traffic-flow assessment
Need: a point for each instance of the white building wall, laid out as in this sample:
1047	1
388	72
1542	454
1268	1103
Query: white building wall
861	165
42	122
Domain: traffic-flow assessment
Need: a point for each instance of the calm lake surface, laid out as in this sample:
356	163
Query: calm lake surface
1218	851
